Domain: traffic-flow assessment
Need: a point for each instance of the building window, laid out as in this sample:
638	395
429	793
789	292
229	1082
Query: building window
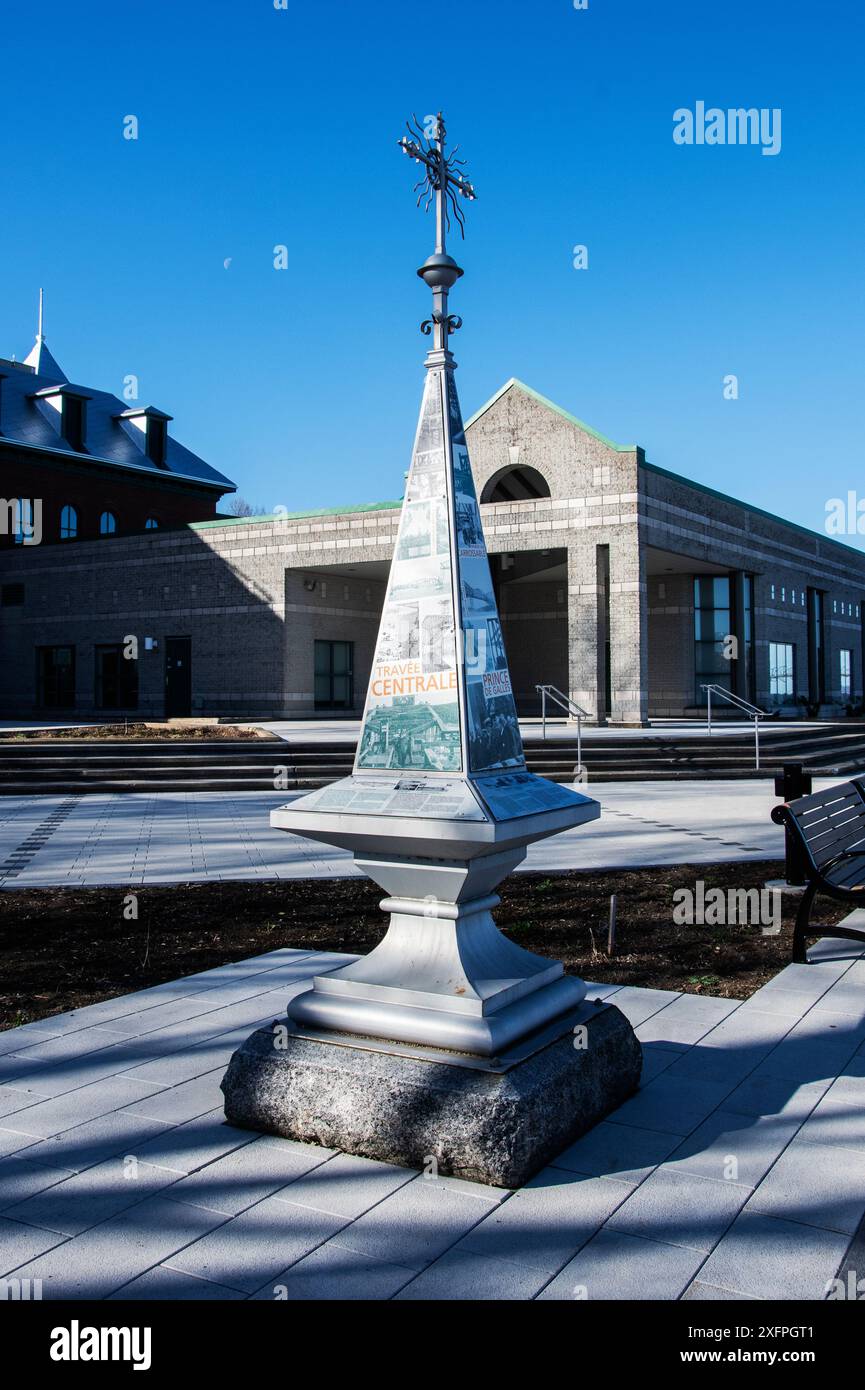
107	524
12	595
816	651
773	593
116	679
846	674
712	628
334	675
151	524
55	677
24	520
68	524
782	683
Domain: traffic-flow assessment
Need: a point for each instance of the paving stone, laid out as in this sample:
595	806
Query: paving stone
461	1274
85	1199
19	1039
655	1060
835	1124
348	1186
617	1151
12	1100
175	1104
698	1292
616	1265
12	1140
20	1243
247	1175
768	1258
772	1095
754	1142
638	1004
809	979
844	998
90	1143
805	1058
680	1209
19	1178
415	1224
333	1272
43	1118
671	1104
734	1048
788	1003
686	1020
251	1249
170	1285
545	1223
816	1185
187	1147
103	1259
849	1088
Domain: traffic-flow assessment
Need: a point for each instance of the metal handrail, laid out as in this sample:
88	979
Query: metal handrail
571	707
753	712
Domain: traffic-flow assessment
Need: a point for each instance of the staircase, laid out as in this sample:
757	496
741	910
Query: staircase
78	766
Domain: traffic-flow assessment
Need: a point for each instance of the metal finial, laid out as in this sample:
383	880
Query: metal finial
40	332
442	181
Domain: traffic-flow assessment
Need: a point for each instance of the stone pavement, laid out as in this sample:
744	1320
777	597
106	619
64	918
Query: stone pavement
736	1172
172	837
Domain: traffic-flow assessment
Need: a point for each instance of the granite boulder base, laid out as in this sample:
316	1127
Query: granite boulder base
494	1122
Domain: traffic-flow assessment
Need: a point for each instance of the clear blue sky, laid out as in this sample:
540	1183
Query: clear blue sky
260	126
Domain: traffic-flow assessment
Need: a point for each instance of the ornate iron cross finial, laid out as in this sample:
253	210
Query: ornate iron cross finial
443	181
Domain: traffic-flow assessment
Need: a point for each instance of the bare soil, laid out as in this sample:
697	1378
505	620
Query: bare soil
65	948
141	732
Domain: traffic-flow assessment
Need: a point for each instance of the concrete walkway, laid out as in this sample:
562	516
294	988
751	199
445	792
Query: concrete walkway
736	1172
172	837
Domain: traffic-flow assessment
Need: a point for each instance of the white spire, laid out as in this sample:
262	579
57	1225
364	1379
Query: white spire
39	357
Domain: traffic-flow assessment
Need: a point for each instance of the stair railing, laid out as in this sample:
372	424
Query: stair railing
753	712
557	697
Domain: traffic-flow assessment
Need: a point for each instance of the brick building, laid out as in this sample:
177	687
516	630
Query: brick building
82	463
626	586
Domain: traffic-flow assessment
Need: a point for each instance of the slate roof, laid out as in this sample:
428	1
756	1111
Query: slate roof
34	424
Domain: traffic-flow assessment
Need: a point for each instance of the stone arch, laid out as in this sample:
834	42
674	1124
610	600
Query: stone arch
515	483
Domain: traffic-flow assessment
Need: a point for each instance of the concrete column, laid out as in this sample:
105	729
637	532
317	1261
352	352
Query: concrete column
629	664
583	649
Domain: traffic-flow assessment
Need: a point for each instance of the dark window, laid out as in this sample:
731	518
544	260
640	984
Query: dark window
72	421
151	524
816	648
116	679
68	523
24	520
12	595
107	524
334	675
55	677
156	440
712	628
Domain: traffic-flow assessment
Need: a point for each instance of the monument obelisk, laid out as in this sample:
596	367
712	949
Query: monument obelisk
447	1040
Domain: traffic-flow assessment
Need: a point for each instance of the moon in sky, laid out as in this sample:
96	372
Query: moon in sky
227	262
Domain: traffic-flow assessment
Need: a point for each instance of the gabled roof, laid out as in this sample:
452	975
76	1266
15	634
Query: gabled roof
514	384
25	421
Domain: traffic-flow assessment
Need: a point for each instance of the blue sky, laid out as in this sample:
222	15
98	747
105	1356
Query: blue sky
261	126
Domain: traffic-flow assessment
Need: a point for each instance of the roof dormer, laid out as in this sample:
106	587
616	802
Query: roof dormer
151	427
67	411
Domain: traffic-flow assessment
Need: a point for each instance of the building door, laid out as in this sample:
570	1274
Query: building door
55	677
116	678
178	677
334	675
816	648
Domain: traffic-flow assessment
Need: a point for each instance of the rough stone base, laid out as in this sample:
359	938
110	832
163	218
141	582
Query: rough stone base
493	1126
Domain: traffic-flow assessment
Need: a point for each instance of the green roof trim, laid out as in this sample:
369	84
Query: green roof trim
295	516
550	405
749	507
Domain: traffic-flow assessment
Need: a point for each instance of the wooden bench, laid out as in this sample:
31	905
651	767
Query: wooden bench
828	830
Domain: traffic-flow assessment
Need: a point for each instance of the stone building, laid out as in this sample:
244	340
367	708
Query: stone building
625	586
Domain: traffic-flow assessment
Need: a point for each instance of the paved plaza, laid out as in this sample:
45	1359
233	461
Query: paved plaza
736	1172
173	837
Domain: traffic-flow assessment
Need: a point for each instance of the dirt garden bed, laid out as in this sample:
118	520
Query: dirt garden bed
65	948
141	732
